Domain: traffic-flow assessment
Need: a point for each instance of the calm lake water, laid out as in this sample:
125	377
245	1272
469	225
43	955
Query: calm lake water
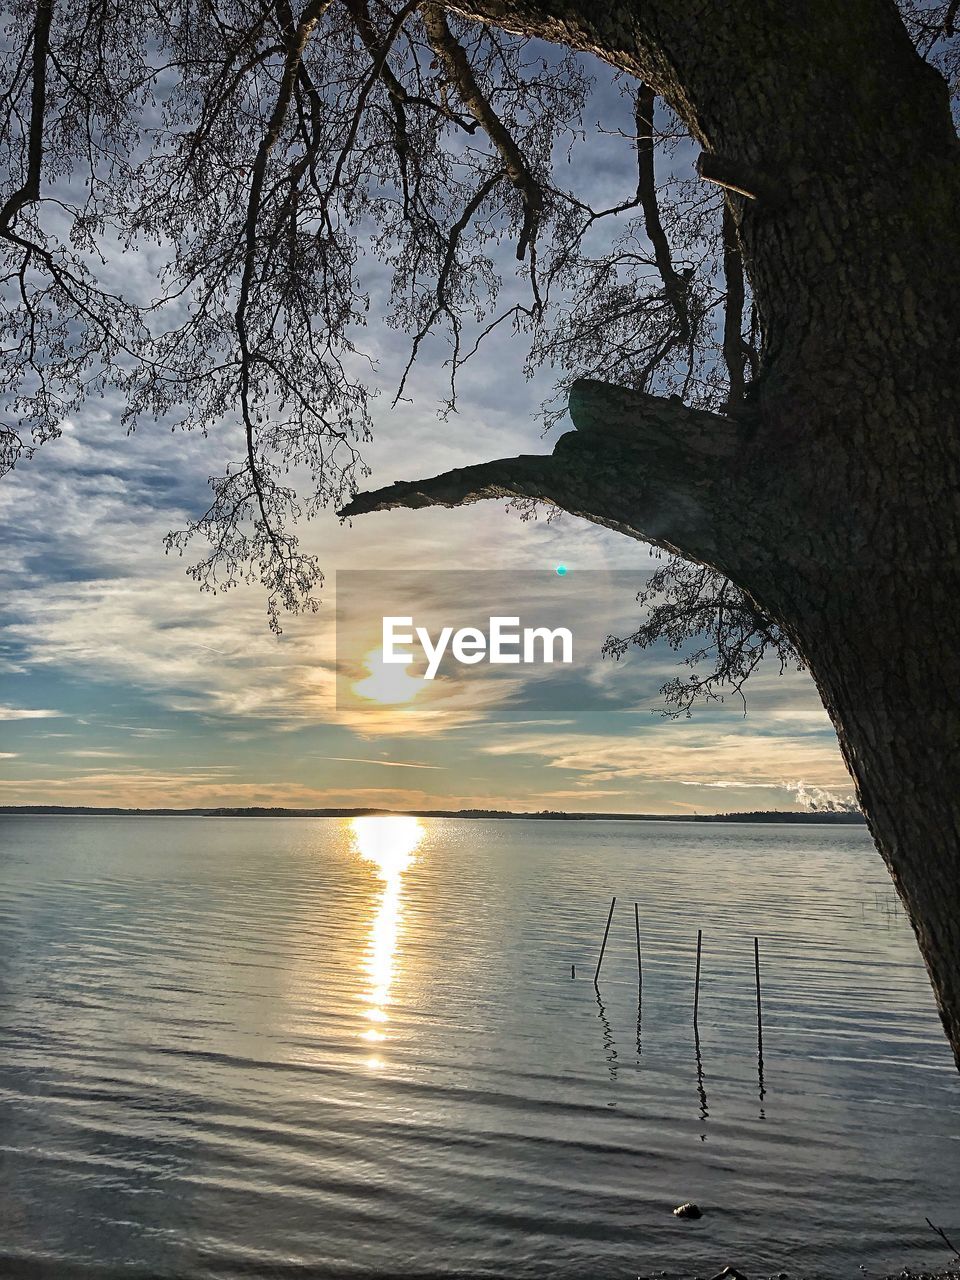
290	1047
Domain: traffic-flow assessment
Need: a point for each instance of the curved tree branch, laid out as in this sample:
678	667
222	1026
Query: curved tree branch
457	66
648	467
674	285
30	189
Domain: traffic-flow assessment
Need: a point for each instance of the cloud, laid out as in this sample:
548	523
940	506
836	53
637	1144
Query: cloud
209	789
390	764
92	752
27	713
683	753
581	793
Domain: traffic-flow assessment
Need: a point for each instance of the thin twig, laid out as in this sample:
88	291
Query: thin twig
945	1238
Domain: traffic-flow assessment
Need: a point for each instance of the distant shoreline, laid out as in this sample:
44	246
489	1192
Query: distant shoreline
544	815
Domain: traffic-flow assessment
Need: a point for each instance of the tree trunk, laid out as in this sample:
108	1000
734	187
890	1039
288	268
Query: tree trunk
884	653
833	497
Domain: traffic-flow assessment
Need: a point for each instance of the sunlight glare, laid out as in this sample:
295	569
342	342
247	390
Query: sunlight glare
389	843
387	683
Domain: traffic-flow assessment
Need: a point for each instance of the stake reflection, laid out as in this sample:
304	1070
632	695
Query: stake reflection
389	843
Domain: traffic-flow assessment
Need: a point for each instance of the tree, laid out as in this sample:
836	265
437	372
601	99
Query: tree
761	363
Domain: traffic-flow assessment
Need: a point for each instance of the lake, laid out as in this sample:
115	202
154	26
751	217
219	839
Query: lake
291	1047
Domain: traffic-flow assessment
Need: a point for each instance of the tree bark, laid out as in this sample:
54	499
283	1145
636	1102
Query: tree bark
833	500
884	653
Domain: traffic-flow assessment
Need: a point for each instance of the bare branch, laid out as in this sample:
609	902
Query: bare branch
289	565
454	59
719	633
443	305
733	344
674	286
30	189
653	469
264	152
526	476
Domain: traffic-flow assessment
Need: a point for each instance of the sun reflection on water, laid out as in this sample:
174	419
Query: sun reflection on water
390	844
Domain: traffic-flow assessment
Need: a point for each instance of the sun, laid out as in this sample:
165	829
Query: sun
387	683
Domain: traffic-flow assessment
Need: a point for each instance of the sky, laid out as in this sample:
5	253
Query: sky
122	684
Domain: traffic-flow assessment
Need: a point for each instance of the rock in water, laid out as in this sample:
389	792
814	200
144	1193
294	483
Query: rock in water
688	1210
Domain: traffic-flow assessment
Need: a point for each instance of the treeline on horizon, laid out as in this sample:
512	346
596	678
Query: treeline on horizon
757	815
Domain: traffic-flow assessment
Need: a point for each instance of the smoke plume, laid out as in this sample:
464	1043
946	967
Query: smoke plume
816	800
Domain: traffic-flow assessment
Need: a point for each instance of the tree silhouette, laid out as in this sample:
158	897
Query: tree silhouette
759	358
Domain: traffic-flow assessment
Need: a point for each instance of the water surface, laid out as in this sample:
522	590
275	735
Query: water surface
270	1047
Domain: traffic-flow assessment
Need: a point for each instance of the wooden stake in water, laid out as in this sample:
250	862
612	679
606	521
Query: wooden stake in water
636	918
696	985
573	971
756	966
603	946
701	1089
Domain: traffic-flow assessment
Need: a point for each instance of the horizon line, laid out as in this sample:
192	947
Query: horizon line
752	815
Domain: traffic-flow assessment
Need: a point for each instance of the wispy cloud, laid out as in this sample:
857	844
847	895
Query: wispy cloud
388	764
93	752
27	713
672	752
